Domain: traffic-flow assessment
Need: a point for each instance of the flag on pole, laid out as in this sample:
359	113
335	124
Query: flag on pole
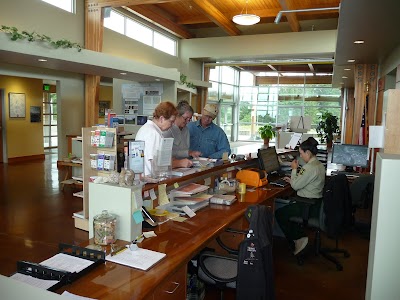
363	136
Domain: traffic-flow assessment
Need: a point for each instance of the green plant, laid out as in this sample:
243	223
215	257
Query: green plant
15	35
267	131
327	127
183	80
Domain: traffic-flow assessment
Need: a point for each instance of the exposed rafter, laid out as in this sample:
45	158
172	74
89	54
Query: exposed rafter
292	19
217	17
152	14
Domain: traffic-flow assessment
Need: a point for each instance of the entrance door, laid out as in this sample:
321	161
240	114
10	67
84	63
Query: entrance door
226	120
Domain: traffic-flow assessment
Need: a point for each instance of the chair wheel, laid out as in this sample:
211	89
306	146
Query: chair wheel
339	267
300	261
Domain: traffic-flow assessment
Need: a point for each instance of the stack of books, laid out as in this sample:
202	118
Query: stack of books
223	199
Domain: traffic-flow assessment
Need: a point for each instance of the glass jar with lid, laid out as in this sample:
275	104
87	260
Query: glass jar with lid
104	228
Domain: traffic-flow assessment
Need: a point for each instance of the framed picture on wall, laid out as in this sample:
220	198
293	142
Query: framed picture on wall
17	105
103	106
36	116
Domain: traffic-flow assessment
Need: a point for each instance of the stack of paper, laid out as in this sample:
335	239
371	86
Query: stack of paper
189	189
183	171
223	199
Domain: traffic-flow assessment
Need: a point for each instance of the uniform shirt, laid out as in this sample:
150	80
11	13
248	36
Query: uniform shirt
309	181
210	141
151	134
180	149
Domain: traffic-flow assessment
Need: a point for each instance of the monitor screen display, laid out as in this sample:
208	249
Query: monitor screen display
350	155
268	160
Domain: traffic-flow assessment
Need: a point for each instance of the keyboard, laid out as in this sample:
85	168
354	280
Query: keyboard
348	174
279	182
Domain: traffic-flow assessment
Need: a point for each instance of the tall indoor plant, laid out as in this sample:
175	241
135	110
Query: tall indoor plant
327	127
266	132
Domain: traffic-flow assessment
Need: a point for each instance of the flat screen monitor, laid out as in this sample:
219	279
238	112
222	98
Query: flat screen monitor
350	155
268	160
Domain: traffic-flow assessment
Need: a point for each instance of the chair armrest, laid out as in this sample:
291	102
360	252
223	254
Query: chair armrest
227	248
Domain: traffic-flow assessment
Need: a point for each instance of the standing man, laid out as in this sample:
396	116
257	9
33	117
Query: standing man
206	137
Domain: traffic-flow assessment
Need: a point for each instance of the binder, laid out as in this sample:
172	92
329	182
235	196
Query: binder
62	277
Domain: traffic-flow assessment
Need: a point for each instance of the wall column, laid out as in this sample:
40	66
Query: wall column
93	41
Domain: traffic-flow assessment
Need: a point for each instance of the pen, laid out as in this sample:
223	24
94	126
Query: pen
118	250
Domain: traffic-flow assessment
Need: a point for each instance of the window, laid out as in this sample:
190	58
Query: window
68	5
140	32
50	139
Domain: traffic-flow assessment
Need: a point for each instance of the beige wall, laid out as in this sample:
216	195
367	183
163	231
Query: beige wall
23	137
105	94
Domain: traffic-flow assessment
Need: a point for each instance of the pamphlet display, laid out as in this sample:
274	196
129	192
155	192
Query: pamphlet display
136	156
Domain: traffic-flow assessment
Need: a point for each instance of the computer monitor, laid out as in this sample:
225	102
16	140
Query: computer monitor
350	155
268	160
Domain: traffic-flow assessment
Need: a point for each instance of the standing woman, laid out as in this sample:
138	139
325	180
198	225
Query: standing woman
308	183
151	133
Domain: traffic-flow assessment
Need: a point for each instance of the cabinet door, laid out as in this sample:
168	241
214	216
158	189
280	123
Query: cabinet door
172	288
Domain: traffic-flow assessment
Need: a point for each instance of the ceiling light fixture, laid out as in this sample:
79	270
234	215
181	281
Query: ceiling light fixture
279	15
359	42
347	69
122	73
351	60
246	19
344	77
42	59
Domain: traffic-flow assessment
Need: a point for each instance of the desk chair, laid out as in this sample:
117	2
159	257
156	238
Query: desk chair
334	217
362	191
253	277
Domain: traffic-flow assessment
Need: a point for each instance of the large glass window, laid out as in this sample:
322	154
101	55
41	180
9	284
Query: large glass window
140	32
67	5
271	103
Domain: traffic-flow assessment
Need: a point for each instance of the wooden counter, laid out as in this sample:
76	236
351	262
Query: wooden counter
180	241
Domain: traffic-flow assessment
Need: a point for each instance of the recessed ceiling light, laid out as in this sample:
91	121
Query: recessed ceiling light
157	79
42	59
359	42
344	77
347	69
351	60
122	73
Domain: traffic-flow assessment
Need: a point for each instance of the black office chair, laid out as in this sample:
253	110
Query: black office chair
253	277
335	216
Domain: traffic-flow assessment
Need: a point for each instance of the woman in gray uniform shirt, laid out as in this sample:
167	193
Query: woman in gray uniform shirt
308	182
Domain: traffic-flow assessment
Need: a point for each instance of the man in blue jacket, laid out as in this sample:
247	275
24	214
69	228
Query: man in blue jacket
207	137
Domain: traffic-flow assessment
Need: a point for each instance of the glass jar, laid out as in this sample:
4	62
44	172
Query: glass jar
104	228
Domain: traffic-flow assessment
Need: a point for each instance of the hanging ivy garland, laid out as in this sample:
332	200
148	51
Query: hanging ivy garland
183	80
35	37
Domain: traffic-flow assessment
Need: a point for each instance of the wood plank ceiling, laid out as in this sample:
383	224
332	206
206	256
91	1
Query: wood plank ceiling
207	18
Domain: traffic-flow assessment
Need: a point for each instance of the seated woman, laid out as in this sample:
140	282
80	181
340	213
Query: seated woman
181	135
151	133
309	183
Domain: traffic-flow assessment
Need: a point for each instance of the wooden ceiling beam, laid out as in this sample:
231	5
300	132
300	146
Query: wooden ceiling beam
262	13
217	17
153	15
119	3
291	17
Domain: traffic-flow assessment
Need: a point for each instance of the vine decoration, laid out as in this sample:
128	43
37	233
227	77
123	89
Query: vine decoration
35	37
183	80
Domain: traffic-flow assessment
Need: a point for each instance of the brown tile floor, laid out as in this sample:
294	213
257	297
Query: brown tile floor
35	215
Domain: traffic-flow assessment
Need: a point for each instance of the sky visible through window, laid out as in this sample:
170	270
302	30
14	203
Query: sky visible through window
63	4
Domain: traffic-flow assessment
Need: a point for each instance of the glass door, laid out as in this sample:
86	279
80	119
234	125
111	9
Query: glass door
50	139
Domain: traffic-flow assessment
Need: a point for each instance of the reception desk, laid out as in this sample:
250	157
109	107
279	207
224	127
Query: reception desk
180	241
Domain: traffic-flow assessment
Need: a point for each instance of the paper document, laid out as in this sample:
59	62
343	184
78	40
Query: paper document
67	263
36	282
165	152
294	140
141	259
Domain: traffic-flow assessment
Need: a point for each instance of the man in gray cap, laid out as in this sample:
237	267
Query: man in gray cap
207	137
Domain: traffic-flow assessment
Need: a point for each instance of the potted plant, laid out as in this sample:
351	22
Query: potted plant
327	127
266	132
